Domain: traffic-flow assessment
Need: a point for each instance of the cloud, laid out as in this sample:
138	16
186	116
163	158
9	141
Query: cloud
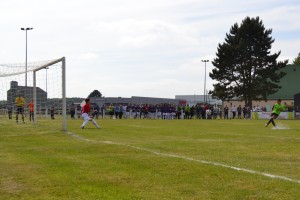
88	56
135	33
138	47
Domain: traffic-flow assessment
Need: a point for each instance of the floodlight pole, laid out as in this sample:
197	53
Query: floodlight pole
26	29
205	61
46	107
46	79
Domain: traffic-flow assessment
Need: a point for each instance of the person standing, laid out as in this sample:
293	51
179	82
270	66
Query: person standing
233	110
111	111
103	111
198	111
52	110
226	109
121	111
239	110
86	109
9	111
96	111
20	102
31	110
277	109
203	112
245	111
187	112
215	111
117	111
72	111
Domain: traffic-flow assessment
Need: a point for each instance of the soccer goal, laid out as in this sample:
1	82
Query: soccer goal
42	83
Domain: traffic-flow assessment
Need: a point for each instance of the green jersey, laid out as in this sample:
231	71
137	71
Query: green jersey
278	108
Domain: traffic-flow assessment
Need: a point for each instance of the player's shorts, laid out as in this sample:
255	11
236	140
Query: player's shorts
86	117
20	110
275	115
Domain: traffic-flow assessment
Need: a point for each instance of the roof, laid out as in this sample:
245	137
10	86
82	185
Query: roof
290	83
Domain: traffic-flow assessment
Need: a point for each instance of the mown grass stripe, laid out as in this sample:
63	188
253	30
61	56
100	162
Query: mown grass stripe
189	159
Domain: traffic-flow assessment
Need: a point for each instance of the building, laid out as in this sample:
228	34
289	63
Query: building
289	88
195	99
27	93
289	84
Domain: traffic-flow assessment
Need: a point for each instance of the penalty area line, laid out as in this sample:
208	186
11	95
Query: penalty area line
188	159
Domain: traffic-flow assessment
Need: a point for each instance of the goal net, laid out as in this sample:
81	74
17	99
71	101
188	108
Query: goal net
42	83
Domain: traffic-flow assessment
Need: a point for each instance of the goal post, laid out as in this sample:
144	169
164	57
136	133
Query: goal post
46	88
63	95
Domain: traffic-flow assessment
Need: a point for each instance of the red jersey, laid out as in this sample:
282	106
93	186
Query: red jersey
31	106
86	108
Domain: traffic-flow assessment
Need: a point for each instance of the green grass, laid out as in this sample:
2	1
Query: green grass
149	159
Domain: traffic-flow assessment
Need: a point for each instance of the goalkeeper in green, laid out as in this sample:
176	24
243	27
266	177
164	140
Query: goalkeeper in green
277	109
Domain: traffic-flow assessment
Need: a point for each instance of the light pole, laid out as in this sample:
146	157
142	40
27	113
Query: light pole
46	107
46	80
205	61
26	29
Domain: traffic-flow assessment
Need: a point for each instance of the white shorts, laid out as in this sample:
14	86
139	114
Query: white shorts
85	116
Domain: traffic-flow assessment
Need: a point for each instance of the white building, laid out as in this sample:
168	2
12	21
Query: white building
194	99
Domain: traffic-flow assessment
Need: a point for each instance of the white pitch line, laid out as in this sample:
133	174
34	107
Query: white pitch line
190	159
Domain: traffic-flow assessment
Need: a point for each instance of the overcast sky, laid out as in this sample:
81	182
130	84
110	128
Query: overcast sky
127	48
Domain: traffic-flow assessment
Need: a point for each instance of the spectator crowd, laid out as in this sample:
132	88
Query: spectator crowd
167	111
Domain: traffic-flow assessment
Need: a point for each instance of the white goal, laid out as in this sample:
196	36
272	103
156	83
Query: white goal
44	84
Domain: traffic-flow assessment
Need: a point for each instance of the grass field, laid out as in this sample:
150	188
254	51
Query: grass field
150	159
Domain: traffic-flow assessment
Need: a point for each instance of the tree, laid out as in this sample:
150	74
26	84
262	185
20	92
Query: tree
95	93
297	60
244	66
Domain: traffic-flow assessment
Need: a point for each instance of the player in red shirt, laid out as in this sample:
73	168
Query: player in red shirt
31	110
86	109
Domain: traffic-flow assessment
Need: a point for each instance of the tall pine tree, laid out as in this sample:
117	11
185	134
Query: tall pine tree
244	66
297	60
95	93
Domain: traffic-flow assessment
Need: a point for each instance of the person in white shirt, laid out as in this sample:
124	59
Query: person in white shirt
233	110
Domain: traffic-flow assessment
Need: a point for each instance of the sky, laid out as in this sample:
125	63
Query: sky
127	48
